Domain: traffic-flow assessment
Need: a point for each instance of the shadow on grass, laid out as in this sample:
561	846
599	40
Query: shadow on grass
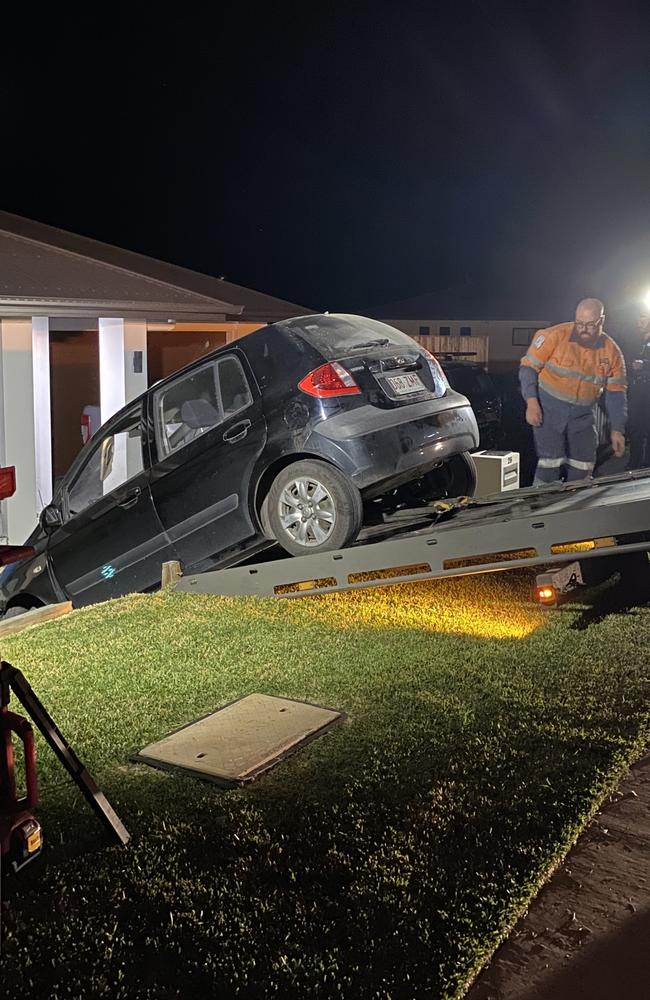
390	871
621	599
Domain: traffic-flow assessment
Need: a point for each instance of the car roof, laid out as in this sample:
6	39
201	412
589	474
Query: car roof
240	344
294	322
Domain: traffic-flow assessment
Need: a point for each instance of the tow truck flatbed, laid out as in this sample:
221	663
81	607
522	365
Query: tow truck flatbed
529	527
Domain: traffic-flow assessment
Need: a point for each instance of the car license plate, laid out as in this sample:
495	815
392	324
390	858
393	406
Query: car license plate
403	384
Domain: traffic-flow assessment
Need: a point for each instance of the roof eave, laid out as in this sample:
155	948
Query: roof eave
217	312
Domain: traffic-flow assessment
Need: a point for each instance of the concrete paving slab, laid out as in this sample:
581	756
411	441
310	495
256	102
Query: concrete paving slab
235	743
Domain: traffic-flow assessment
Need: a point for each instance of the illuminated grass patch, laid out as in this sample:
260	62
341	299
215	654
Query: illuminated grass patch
464	606
384	860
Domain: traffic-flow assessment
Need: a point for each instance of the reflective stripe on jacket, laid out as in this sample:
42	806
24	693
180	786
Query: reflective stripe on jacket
571	372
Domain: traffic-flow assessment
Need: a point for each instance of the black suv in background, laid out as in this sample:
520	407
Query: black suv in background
471	379
280	437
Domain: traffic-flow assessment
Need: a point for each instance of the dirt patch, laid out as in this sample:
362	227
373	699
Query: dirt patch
586	935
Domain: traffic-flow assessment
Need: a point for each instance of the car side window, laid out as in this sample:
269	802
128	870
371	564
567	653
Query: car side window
197	402
116	458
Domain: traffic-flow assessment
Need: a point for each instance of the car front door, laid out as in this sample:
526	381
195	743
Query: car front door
111	541
209	433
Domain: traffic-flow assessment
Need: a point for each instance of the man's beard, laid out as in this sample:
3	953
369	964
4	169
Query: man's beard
587	339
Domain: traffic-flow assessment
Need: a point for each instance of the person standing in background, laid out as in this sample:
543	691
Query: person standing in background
566	370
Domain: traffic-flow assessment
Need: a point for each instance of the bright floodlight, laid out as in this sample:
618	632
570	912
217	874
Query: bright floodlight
646	300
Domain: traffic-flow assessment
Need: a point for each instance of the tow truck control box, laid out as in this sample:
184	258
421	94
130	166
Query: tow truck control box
496	472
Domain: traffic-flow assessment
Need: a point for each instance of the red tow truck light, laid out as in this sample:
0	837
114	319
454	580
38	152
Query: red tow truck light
7	481
11	553
546	594
329	380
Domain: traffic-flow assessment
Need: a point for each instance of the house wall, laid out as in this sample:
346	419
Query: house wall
169	350
470	348
502	353
172	349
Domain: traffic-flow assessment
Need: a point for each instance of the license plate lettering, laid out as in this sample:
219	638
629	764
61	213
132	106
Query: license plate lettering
403	384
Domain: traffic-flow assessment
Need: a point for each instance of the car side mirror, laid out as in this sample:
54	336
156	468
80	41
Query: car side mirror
51	518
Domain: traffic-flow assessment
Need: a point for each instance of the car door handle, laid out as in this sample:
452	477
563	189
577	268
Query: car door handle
131	499
237	432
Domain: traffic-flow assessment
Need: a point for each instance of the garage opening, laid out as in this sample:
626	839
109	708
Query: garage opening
74	384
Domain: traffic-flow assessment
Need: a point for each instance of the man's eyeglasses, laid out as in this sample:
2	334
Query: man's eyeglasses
589	327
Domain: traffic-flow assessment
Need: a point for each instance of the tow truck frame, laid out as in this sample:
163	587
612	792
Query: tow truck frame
532	527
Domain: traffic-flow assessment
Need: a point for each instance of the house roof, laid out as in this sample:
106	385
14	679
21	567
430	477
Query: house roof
48	271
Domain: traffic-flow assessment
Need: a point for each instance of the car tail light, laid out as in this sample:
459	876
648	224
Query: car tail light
331	379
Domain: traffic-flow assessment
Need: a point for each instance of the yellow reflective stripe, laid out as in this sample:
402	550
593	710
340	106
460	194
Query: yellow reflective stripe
573	373
550	386
585	466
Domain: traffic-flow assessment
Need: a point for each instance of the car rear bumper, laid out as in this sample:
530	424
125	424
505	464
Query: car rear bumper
387	447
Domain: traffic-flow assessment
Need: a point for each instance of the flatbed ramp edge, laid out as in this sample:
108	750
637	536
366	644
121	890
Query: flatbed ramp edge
528	528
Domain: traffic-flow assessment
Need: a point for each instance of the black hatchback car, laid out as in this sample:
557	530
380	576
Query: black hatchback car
471	379
279	437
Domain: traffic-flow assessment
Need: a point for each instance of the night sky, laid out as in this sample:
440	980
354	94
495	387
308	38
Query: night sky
347	159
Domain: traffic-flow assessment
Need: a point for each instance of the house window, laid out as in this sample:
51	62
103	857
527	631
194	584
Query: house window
466	331
445	331
424	331
522	335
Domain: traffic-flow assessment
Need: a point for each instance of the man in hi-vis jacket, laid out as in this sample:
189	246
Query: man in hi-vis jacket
566	370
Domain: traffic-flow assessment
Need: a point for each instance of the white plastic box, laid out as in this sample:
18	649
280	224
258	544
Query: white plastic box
496	471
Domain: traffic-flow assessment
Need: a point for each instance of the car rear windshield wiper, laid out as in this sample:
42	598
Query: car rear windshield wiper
371	343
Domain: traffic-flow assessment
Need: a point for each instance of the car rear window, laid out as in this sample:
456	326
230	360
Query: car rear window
336	336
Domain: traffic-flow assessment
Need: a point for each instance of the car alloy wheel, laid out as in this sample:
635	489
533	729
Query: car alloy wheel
307	511
312	507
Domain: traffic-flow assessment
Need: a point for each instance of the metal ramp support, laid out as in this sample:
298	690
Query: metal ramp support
530	528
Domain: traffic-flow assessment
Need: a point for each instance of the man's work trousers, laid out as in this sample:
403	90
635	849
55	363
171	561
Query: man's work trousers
566	441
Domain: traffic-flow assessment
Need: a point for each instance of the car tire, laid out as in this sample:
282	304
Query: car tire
264	518
332	512
14	611
455	477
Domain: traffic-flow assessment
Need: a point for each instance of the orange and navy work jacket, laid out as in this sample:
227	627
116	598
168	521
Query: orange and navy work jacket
570	372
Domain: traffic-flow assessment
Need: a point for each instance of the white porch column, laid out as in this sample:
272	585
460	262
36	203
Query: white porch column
122	377
42	409
122	363
25	437
135	378
112	384
112	390
135	359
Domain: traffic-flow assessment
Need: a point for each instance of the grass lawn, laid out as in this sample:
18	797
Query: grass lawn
385	860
